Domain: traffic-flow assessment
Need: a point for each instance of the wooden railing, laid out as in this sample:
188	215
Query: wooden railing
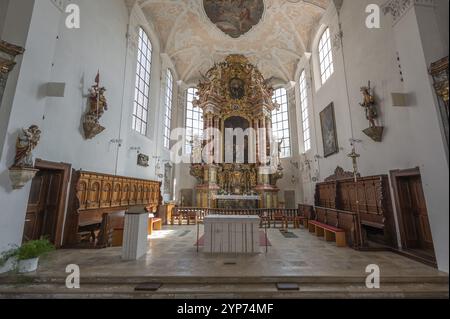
348	221
202	212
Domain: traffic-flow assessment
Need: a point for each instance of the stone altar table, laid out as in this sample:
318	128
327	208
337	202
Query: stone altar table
232	234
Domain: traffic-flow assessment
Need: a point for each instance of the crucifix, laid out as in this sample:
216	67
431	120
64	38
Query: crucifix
354	156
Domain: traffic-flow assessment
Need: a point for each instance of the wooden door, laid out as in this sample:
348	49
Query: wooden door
42	210
414	212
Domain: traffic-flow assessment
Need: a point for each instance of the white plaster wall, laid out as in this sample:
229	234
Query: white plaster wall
3	8
73	56
412	136
38	36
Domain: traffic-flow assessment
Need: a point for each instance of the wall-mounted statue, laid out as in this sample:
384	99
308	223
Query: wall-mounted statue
27	140
373	131
97	105
23	170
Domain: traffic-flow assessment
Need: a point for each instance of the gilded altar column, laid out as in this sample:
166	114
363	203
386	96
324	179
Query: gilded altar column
256	127
209	125
268	135
217	148
263	146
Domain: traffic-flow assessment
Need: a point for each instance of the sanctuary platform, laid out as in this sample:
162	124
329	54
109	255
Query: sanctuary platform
319	268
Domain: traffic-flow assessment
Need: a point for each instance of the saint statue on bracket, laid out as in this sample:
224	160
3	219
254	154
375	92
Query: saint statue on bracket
97	106
373	131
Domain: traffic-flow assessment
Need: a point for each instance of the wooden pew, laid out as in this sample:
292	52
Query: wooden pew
329	232
154	223
111	230
335	224
306	213
94	194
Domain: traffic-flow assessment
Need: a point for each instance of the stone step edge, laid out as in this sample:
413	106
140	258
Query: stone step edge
27	279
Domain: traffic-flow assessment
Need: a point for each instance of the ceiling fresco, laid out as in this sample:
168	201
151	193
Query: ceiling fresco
272	34
234	17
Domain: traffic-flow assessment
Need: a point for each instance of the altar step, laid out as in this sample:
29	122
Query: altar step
226	288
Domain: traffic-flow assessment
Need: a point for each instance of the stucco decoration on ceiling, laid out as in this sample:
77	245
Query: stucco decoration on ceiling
275	45
234	17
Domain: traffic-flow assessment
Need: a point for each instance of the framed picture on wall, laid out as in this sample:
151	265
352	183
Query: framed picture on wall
329	134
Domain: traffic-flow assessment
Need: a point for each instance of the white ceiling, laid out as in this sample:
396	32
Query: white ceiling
275	45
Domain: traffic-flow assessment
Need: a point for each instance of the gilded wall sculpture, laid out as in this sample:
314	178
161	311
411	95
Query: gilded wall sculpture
23	169
374	131
8	52
439	72
97	105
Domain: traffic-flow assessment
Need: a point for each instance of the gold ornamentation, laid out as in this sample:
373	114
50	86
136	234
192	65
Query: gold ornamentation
234	88
97	106
374	132
22	171
27	140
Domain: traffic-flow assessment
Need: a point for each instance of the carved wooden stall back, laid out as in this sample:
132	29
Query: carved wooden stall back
93	195
369	197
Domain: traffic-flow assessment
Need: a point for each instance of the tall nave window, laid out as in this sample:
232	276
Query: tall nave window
194	120
168	103
325	56
142	88
280	121
305	113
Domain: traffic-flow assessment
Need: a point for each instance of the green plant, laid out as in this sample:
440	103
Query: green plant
34	249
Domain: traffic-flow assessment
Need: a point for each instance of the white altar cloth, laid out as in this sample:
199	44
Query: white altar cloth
231	234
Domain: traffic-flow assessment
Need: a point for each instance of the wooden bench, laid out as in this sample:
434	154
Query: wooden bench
278	217
154	224
306	213
329	232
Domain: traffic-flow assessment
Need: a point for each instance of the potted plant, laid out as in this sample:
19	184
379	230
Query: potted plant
8	260
26	257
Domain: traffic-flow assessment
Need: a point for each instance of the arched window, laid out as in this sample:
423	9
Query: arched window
325	56
168	104
194	120
142	88
305	113
280	121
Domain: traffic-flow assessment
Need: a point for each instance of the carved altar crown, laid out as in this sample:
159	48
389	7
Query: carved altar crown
235	86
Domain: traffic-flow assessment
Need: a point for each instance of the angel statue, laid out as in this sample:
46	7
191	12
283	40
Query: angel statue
369	105
27	140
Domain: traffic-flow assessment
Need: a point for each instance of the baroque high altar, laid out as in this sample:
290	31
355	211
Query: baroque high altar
234	95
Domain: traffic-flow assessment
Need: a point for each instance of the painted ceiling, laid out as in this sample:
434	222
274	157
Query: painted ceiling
274	42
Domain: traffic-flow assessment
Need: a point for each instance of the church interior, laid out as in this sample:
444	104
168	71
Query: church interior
224	149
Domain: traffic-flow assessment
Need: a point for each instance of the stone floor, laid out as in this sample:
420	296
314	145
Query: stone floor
172	252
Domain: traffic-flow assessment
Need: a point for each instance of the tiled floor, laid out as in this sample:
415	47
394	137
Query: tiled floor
172	252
